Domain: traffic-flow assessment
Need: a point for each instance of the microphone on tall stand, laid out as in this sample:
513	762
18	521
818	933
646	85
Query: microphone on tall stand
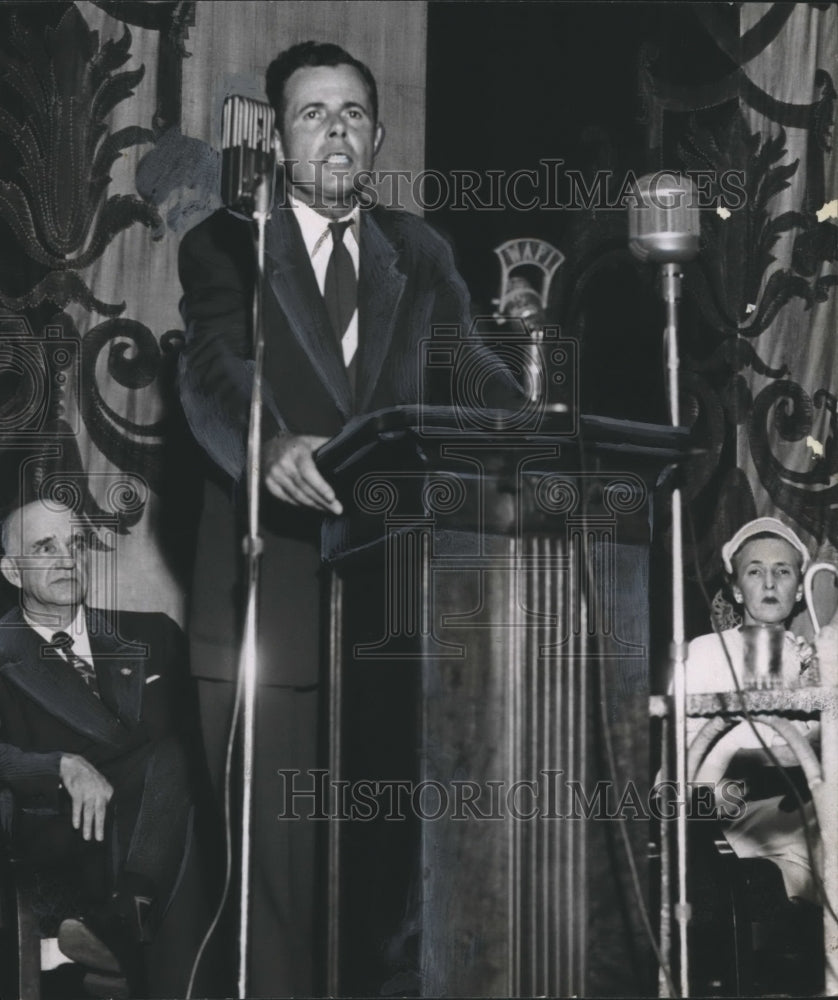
664	229
248	167
248	158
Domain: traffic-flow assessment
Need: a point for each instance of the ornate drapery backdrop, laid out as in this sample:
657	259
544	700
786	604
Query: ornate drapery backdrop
110	119
788	450
110	127
760	310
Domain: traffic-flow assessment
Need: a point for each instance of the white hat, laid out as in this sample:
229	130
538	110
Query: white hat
763	526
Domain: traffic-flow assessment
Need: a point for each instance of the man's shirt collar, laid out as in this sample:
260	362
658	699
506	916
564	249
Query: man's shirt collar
315	227
77	630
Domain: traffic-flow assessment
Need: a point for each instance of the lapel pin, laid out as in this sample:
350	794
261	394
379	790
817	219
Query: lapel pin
126	671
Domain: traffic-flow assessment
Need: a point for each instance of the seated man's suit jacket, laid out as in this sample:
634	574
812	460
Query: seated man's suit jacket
46	709
407	284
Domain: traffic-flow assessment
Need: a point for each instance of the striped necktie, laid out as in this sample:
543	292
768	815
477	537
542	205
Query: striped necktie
64	642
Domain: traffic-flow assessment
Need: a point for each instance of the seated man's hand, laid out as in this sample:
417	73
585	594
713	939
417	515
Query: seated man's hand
292	476
90	793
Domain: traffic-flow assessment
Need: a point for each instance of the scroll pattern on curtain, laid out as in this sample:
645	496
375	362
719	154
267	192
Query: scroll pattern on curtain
89	289
759	348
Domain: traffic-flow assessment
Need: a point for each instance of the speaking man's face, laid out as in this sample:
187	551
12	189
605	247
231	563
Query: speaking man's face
47	559
328	136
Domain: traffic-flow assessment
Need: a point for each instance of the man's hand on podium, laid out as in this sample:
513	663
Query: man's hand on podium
292	476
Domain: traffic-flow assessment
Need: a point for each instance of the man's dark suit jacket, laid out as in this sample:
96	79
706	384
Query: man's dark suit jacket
407	284
145	711
46	709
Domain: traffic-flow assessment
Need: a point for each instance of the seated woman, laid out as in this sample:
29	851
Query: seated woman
765	562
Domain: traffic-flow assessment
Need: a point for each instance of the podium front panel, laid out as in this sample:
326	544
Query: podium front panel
488	683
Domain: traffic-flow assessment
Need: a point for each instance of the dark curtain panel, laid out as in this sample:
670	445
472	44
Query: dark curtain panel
585	96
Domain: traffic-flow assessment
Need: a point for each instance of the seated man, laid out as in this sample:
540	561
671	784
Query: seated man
765	562
91	743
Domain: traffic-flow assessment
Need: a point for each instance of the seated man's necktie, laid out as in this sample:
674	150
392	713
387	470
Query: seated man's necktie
341	287
64	642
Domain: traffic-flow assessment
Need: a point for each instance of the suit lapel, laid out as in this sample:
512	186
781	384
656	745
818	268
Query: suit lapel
120	672
292	279
380	288
54	685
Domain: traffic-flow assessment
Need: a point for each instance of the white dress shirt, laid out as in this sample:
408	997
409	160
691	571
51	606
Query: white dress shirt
77	630
318	240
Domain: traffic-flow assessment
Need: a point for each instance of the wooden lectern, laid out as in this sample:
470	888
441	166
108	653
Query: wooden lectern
488	691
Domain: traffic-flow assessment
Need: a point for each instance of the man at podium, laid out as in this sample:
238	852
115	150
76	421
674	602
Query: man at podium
351	292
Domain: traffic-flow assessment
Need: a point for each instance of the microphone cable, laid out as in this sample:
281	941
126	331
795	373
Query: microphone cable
228	836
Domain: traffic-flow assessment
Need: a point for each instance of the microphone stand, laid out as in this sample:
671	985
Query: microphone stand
671	287
252	545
